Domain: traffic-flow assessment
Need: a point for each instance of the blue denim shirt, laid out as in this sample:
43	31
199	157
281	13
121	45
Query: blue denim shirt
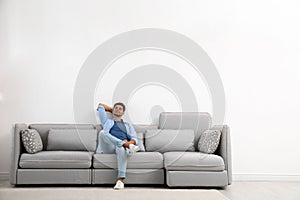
108	123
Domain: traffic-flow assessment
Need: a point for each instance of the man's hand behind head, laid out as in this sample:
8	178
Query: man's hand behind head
106	107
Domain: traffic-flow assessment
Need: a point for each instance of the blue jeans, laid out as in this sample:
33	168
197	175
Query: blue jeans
110	145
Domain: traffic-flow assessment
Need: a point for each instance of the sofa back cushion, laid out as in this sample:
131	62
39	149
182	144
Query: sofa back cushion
43	129
72	139
166	140
198	121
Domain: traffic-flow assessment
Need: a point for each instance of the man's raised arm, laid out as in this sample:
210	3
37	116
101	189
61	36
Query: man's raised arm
102	114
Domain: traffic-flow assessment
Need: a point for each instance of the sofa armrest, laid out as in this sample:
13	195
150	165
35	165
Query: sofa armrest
224	149
15	151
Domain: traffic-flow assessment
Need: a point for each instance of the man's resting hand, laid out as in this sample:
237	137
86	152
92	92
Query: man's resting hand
127	143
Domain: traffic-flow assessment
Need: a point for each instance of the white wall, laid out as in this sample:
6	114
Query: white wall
255	46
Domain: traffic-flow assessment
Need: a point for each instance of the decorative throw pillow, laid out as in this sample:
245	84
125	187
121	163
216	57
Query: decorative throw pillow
31	140
209	141
141	145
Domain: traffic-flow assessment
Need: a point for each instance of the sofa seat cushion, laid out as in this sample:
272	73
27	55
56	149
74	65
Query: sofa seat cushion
139	160
56	159
193	161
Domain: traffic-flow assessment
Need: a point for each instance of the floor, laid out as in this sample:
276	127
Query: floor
243	190
265	190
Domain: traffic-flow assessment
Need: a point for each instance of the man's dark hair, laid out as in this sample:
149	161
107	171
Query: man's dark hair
120	104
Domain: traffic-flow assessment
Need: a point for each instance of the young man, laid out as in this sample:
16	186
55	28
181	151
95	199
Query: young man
117	137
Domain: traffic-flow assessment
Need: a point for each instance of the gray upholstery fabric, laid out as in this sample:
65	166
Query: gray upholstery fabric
56	159
196	178
165	140
224	149
72	139
140	136
54	176
31	140
175	177
133	176
139	160
209	141
43	129
143	128
198	121
16	150
98	127
193	161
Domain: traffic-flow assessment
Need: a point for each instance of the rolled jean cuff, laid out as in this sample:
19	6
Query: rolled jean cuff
121	174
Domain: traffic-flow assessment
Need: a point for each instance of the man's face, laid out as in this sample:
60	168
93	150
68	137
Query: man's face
118	110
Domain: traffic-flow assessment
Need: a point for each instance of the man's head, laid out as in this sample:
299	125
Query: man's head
119	109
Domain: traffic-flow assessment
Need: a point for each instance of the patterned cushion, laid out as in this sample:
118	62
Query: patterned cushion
31	140
209	141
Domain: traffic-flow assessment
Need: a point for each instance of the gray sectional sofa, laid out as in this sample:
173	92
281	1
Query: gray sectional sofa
166	165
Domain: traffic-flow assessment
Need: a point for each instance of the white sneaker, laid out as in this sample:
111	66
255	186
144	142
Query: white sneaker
119	185
133	148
